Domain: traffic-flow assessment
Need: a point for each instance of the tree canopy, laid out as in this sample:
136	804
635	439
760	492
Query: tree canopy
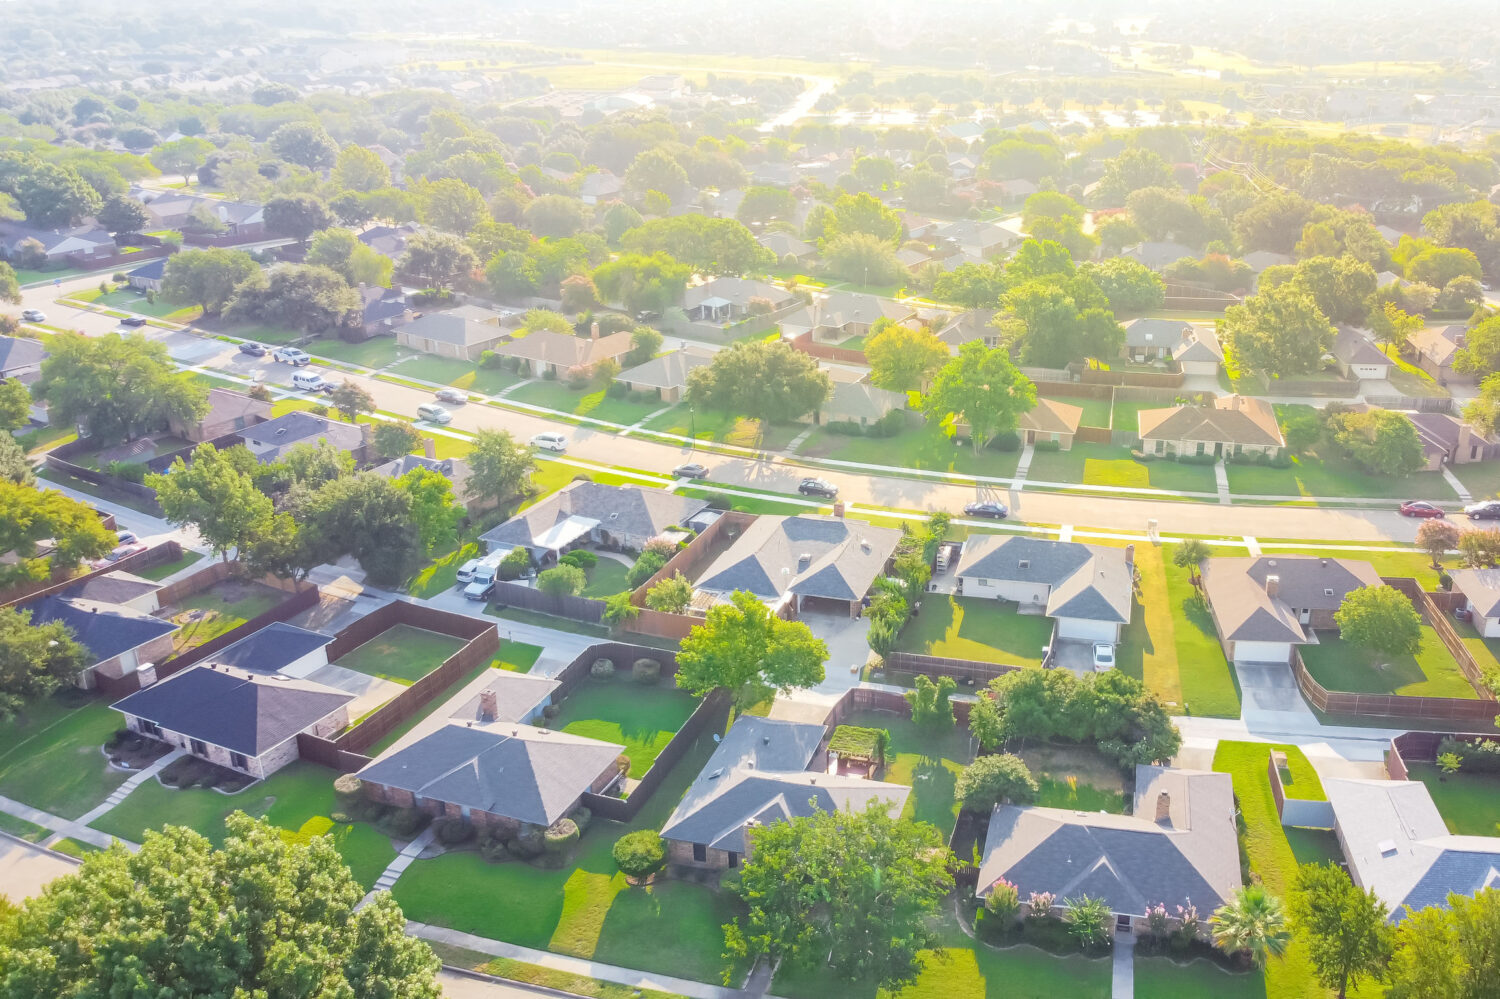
118	387
1380	619
745	648
769	381
981	388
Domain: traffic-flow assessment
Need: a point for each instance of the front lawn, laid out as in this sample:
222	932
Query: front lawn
160	572
976	628
298	798
1337	665
460	374
22	829
927	761
51	758
724	428
375	352
594	403
129	300
928	447
1164	978
1468	802
402	654
640	718
1482	478
1312	476
1105	465
222	607
604	579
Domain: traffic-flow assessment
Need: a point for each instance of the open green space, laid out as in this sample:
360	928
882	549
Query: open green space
460	374
604	579
51	755
585	908
1468	802
1481	478
375	352
259	332
1095	411
160	572
402	654
1164	978
640	718
724	428
1105	465
976	628
1338	665
222	607
298	798
1206	679
22	829
927	761
441	574
594	403
928	447
1124	411
129	300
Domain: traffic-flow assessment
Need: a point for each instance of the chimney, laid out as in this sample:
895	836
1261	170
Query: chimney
366	433
429	447
1273	585
594	331
1164	808
1129	556
489	707
1461	449
838	508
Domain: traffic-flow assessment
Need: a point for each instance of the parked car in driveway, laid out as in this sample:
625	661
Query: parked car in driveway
34	315
998	511
692	470
252	349
1487	510
483	584
1104	656
122	552
818	487
550	441
1421	508
291	355
455	395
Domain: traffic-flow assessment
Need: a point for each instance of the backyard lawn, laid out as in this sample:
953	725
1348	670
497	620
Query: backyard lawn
642	719
160	572
52	759
929	763
461	374
1164	978
976	628
1104	465
222	607
724	428
928	447
1337	665
1468	802
518	657
1124	412
594	403
402	654
1099	786
298	798
1095	411
605	578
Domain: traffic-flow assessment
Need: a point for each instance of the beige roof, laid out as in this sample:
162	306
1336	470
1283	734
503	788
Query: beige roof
1481	587
1051	417
1439	343
1231	419
1248	612
851	400
1201	344
564	350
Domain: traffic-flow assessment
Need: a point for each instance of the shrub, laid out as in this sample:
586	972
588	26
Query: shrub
1049	445
602	669
582	818
1088	921
349	791
551	711
318	409
1478	757
581	558
514	564
259	393
404	823
1004	901
492	848
130	471
1040	904
550	375
528	842
510	363
560	836
640	853
1196	459
647	564
990	780
452	830
490	359
889	425
844	428
119	277
562	580
645	671
617	390
1007	441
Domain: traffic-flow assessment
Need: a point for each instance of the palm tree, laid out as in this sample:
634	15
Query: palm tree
1189	555
1254	921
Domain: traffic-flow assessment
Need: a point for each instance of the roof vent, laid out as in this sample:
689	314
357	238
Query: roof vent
765	740
1025	563
1271	562
716	774
1387	847
280	431
1327	591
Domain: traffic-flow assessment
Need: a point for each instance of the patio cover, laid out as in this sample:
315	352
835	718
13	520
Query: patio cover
564	533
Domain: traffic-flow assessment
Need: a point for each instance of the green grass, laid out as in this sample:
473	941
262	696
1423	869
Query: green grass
977	628
1163	978
1086	798
260	333
22	829
218	609
1338	665
441	574
605	579
441	699
74	848
26	275
375	352
298	798
160	572
593	403
724	428
927	762
1310	475
749	504
45	438
461	374
1123	413
51	758
642	719
402	654
547	978
585	909
1104	465
1207	680
1468	802
130	300
928	447
109	495
1095	411
1482	478
518	657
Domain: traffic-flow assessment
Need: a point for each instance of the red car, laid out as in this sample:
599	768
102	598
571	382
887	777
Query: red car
1420	508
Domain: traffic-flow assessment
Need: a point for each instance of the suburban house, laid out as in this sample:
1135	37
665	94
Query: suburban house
1262	606
1199	352
1177	848
666	375
148	276
786	245
591	513
388	241
1087	589
725	299
381	310
1432	349
450	334
123	589
978	240
808	563
843	315
1050	420
78	245
968	326
229	411
1153	339
1232	424
241	222
455	470
601	185
278	648
270	441
1015	190
1451	440
120	639
19	356
235	718
560	353
1397	845
1158	255
1358	356
855	400
1259	260
499	775
757	775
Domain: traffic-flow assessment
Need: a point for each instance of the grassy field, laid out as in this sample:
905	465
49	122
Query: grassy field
1104	465
724	428
604	579
1337	665
593	403
518	657
1468	802
298	798
929	763
50	758
461	374
402	654
222	607
1163	978
927	447
160	572
376	352
976	628
22	829
130	300
642	719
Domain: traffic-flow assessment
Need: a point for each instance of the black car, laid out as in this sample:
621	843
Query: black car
1487	510
253	349
133	321
996	510
692	470
818	487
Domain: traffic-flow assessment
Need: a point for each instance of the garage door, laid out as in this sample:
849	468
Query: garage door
1092	631
1262	652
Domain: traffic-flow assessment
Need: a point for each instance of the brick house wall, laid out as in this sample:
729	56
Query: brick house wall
681	852
261	766
154	651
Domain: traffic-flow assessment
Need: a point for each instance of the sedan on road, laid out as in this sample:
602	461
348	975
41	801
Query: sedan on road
123	551
999	511
34	315
454	395
1488	510
133	321
692	470
1421	508
252	349
818	487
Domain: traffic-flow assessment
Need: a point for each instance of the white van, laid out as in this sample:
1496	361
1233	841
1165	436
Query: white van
550	441
433	413
308	381
467	571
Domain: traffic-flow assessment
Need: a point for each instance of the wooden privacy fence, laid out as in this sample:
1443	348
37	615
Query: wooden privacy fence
712	713
973	670
1449	709
858	699
828	352
162	554
690	561
1435	609
584	609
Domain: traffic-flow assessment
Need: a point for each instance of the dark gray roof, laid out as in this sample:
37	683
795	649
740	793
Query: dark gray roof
272	648
757	775
517	696
151	270
524	773
1236	588
17	353
621	510
270	440
243	712
807	555
447	328
455	470
106	630
1352	346
1085	581
1155	332
113	588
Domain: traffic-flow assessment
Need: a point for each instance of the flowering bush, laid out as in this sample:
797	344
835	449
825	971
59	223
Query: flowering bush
1041	904
1004	901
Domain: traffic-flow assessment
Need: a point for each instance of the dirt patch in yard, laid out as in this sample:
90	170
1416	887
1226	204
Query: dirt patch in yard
1055	762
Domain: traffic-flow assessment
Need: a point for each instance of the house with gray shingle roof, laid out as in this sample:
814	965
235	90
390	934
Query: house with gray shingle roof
1233	424
1153	339
120	639
1158	255
1481	588
786	245
124	589
244	720
592	513
1199	352
448	334
19	356
1178	847
811	562
759	775
1263	606
1358	356
725	299
278	648
271	440
666	375
1397	845
973	324
1087	589
843	315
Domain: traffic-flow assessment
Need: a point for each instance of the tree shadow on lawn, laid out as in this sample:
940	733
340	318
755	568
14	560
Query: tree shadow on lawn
683	923
933	798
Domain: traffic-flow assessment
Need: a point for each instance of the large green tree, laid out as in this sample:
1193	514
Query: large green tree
1279	331
29	516
35	660
1380	619
769	381
640	282
341	251
1343	926
500	467
438	260
1448	952
306	144
15	404
265	915
1380	441
181	156
746	649
301	296
118	387
206	278
367	516
122	214
902	359
855	892
708	245
433	509
216	493
360	169
297	216
979	387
